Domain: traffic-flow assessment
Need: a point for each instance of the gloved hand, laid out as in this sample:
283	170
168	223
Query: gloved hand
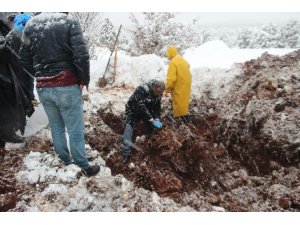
156	123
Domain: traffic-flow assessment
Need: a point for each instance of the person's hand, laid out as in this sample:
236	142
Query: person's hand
167	94
35	103
157	124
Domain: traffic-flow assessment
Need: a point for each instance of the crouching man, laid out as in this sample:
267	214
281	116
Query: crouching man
144	104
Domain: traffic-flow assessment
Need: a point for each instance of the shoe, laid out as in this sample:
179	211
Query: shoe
13	138
126	159
91	170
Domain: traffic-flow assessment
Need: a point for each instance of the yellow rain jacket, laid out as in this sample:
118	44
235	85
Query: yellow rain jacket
178	83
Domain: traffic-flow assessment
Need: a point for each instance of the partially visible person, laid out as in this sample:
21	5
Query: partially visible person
54	51
144	104
13	39
178	83
11	19
13	101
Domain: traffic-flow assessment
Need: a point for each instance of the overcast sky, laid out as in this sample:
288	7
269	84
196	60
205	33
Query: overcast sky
219	19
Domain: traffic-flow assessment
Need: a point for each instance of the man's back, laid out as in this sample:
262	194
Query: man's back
53	42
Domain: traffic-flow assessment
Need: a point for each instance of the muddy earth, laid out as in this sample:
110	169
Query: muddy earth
241	152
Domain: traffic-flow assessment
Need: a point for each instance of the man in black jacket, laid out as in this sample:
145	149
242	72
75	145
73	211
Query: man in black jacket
54	51
144	104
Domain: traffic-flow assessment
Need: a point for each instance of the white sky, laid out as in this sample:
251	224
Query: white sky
217	18
209	12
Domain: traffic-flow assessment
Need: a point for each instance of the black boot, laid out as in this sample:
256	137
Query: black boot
186	119
91	170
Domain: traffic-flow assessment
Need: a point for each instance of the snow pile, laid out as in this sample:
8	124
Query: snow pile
216	54
140	69
42	167
209	67
55	187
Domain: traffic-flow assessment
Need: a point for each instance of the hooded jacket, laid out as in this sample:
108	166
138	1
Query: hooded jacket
178	83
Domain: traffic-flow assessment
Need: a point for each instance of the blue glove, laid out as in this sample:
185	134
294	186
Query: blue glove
157	124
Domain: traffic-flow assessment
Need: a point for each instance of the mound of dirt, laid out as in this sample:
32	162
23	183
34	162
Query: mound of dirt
260	119
236	151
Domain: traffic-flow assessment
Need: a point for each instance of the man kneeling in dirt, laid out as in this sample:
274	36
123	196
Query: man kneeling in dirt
144	104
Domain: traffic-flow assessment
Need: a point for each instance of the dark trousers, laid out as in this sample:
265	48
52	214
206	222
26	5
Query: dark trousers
127	140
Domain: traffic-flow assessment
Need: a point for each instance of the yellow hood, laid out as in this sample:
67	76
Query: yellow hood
171	52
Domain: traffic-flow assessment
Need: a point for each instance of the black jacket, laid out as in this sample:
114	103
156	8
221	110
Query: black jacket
143	104
13	102
13	39
52	43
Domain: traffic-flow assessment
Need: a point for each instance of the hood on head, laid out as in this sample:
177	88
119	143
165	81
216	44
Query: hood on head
171	51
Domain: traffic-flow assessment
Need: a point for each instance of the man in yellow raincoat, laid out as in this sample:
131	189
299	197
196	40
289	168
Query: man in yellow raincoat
178	83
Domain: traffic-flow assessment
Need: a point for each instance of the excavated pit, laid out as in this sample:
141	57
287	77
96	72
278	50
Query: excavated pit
237	152
240	152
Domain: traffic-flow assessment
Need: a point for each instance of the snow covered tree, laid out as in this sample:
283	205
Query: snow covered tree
244	38
98	31
91	25
290	34
159	30
270	36
107	33
273	38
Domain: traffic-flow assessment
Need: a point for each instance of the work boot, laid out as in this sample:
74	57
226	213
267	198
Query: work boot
13	138
91	170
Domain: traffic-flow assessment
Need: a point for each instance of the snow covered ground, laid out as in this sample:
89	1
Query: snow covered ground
212	67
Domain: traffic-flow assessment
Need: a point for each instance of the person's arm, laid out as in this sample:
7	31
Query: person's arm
25	55
81	58
140	98
171	77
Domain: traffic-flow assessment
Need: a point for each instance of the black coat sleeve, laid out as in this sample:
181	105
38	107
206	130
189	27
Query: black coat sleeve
81	57
140	98
25	54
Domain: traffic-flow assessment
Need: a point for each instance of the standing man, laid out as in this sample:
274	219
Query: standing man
54	51
144	104
178	83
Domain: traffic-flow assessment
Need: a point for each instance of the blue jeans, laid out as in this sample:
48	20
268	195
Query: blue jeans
64	109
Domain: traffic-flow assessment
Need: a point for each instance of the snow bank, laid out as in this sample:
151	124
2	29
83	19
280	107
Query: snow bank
140	69
216	54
